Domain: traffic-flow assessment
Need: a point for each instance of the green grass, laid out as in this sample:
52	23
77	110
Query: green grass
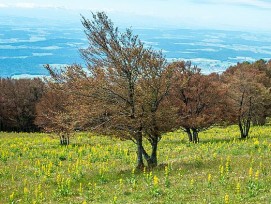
34	168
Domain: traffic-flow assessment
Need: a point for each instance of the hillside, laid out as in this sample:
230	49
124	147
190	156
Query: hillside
34	168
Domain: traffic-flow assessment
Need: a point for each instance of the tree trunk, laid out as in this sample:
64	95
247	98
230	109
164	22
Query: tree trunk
244	128
188	131
241	128
195	138
68	140
247	127
152	162
61	139
140	163
64	139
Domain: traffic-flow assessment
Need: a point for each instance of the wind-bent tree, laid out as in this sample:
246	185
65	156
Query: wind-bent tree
198	99
247	95
124	92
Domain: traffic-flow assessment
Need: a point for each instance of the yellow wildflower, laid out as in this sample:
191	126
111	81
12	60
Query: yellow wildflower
227	199
257	175
155	180
209	178
250	172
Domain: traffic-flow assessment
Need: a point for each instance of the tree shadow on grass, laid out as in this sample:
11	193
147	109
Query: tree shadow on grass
187	166
185	141
190	166
218	140
226	140
205	141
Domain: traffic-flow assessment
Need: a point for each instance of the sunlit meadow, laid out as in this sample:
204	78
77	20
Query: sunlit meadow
34	168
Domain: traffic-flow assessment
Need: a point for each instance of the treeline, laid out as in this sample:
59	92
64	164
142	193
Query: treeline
18	99
24	101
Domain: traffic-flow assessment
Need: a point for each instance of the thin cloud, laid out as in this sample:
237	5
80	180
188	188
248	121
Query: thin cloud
25	5
218	14
28	5
244	3
253	3
3	5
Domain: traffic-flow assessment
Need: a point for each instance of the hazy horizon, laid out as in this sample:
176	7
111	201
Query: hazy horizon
239	15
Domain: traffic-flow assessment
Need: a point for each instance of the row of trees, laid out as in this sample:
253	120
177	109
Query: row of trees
130	91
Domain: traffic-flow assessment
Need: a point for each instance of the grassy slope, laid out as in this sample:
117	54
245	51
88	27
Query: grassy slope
222	168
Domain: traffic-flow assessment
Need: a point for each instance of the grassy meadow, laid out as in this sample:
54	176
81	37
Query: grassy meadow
34	168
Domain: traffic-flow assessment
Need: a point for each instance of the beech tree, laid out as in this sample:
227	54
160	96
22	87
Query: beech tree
156	114
53	115
18	98
264	67
198	98
124	92
247	95
2	107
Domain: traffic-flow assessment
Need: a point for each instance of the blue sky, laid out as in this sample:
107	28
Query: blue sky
254	15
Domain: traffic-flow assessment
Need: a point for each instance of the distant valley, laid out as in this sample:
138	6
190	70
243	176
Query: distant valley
24	49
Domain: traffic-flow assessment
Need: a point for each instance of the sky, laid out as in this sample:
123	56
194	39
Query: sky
242	15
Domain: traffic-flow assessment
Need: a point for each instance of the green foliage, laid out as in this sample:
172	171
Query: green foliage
34	168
